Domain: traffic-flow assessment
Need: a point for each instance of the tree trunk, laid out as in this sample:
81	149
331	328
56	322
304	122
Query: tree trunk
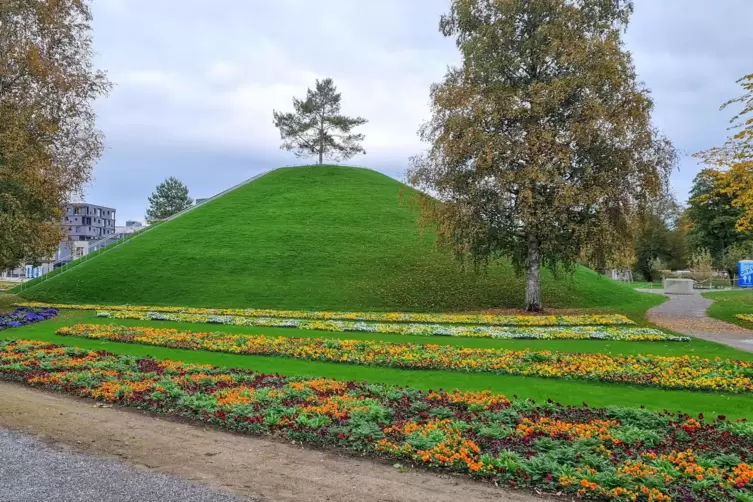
321	140
533	276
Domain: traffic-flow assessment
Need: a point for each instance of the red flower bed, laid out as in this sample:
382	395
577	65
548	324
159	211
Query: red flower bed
612	454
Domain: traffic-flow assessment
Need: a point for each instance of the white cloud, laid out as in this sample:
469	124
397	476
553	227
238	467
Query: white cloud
209	74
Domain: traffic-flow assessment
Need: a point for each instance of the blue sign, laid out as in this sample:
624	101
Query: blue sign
745	273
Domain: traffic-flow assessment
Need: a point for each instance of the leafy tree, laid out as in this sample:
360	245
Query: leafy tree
170	197
657	240
48	138
738	251
542	146
317	127
712	216
735	158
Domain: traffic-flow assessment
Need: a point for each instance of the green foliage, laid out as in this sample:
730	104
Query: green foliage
741	250
170	197
542	147
317	127
659	248
712	217
311	238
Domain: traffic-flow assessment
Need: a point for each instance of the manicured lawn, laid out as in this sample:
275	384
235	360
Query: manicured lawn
569	392
326	238
643	285
727	304
7	301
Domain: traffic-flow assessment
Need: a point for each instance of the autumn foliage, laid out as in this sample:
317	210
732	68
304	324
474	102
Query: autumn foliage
542	145
48	139
732	162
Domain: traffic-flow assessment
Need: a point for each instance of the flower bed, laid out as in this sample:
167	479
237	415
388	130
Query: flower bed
610	454
489	319
621	333
745	317
670	372
24	315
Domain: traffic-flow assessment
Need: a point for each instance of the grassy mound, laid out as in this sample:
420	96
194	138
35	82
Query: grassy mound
318	237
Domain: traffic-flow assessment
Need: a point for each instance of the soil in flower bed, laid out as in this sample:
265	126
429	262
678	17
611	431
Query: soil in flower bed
609	453
26	315
692	373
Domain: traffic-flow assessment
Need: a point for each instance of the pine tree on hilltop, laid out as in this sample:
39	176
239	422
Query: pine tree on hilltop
170	197
317	128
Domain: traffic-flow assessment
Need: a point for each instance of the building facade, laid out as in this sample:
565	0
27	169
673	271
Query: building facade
130	227
84	224
87	222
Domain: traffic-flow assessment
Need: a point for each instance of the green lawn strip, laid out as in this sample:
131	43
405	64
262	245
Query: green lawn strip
643	285
564	391
727	304
696	347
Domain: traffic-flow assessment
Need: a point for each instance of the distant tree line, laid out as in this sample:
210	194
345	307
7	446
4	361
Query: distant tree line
718	220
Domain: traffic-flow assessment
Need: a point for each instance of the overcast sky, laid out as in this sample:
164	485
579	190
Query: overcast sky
196	81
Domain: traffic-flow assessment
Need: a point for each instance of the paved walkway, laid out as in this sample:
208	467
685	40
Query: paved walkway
32	471
686	314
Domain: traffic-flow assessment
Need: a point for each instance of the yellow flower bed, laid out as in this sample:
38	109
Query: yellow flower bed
620	333
745	317
481	319
670	372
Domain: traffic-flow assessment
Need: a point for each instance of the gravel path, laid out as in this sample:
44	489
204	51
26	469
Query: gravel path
686	314
31	471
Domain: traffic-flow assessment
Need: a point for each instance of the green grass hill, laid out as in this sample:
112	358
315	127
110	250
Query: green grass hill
318	237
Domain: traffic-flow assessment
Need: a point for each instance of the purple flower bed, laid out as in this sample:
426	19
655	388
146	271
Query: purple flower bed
24	315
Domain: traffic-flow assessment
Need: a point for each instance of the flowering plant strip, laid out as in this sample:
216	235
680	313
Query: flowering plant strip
620	333
745	317
25	315
685	372
612	453
489	319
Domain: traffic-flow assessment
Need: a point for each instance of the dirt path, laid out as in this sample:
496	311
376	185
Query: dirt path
686	314
252	467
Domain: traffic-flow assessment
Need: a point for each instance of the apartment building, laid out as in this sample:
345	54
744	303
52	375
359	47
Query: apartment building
83	224
87	222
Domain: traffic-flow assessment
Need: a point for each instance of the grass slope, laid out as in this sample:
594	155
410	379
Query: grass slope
565	391
318	237
727	304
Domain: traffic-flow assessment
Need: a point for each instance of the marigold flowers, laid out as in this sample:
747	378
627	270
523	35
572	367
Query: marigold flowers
670	372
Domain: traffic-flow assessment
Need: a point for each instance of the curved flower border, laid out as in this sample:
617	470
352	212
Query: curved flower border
685	372
621	454
619	333
479	319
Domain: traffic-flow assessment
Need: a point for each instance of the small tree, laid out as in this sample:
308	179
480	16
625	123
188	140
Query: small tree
657	268
170	197
542	145
735	253
317	128
701	267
